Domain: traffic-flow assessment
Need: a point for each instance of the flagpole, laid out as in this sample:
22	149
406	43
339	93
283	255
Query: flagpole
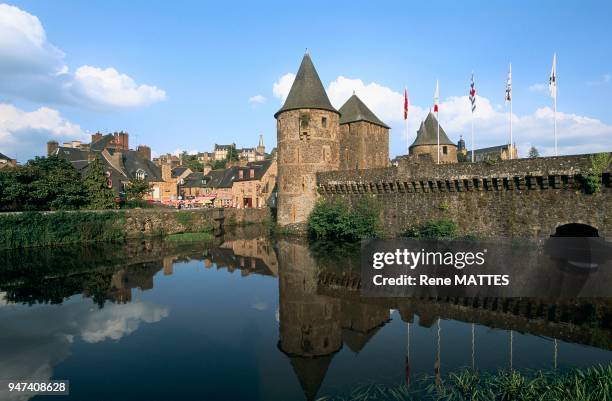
555	118
473	146
437	118
511	155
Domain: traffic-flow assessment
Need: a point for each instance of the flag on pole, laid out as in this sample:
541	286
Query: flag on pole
436	97
509	86
405	104
472	94
552	82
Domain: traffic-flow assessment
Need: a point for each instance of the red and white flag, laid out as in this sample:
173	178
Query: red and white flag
405	104
436	97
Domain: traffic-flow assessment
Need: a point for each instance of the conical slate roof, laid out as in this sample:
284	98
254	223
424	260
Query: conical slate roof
355	110
357	340
307	91
428	133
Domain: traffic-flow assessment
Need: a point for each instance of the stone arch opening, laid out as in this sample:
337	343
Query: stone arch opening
576	230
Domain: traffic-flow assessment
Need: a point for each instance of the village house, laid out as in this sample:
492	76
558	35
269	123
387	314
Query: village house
6	161
253	186
121	164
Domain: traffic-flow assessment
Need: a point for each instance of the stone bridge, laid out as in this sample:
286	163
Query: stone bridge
532	198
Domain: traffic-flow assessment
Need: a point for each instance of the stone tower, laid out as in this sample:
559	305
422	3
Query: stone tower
426	142
364	139
308	142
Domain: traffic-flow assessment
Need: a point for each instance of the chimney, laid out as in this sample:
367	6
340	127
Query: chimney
166	171
52	147
145	151
96	137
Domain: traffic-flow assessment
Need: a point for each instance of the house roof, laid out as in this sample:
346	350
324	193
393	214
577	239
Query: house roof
72	154
177	171
259	167
307	91
102	143
491	149
355	110
5	157
223	147
195	180
428	133
134	161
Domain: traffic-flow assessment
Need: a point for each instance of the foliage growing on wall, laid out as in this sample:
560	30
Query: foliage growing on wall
599	164
335	219
440	229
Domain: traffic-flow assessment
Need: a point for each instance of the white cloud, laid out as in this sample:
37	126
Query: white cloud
23	134
538	88
576	134
34	69
257	99
108	87
281	88
604	80
387	104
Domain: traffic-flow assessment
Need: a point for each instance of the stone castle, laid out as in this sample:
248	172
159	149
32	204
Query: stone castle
312	136
324	153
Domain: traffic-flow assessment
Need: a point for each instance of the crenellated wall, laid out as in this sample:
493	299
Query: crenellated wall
512	198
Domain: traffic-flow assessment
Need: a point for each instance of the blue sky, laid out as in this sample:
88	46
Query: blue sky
194	66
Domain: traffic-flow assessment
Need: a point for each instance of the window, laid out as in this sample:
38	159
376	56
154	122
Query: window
445	150
252	173
140	174
240	174
304	120
324	122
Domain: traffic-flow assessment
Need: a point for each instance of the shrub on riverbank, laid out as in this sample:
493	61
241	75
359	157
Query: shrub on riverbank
40	229
589	384
435	229
335	219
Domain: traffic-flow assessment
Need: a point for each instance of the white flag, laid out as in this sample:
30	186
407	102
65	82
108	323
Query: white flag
552	82
509	85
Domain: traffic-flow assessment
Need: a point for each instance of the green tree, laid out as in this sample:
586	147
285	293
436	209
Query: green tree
232	154
336	220
533	153
136	189
96	184
218	164
44	183
191	162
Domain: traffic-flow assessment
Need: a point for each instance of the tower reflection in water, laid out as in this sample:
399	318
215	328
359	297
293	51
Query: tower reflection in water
322	317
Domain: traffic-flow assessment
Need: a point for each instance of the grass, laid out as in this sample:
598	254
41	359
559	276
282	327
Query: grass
191	237
588	384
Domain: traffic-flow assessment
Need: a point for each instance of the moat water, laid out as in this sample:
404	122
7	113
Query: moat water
246	318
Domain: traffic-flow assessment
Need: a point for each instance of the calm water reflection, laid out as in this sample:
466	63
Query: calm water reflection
248	319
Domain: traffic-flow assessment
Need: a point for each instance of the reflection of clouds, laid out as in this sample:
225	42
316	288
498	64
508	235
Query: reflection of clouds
259	305
114	323
35	339
3	301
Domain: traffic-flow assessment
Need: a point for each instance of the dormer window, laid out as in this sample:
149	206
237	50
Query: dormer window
252	173
141	174
240	174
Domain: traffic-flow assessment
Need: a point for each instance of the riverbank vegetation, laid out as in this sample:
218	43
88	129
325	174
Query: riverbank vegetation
337	220
588	384
28	229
